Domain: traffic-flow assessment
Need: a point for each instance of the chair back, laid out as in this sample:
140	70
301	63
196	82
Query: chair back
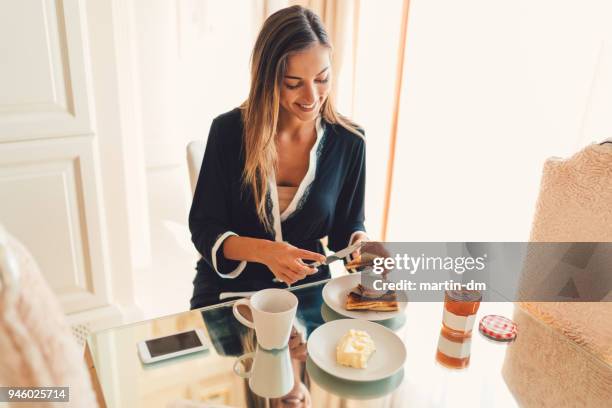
195	155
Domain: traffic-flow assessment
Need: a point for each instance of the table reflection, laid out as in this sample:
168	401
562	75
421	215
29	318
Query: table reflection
353	389
269	372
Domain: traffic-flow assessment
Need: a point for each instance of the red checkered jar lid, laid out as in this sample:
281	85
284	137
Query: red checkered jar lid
497	328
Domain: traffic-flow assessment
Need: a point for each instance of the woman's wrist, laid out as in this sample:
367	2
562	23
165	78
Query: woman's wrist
248	249
261	249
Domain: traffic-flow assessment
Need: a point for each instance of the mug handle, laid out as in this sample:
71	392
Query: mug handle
240	317
241	372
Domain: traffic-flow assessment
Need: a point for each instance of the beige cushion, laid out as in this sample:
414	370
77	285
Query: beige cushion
563	353
575	201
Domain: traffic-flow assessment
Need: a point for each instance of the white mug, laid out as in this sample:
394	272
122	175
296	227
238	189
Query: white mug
271	374
273	312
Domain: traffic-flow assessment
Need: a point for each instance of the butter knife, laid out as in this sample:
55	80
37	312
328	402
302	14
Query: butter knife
338	255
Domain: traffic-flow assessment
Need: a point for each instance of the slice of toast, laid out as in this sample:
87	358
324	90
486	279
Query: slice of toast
385	303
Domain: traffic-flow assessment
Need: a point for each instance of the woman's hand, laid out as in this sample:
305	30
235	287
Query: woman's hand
286	261
358	237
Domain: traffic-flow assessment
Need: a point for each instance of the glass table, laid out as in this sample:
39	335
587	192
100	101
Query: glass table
211	378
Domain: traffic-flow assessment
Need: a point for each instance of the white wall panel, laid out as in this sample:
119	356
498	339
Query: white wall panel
43	70
62	164
48	200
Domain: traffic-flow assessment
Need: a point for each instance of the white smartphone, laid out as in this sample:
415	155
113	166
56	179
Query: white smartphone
178	344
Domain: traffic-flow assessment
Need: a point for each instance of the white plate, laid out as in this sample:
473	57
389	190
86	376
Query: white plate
388	358
336	290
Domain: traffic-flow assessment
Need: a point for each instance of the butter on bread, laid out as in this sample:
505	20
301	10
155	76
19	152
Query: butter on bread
355	348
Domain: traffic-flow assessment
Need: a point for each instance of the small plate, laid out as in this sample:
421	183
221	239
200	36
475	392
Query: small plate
388	358
336	290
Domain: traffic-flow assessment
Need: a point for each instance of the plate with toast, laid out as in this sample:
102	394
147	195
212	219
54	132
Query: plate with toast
347	296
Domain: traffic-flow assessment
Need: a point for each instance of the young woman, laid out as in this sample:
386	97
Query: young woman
280	172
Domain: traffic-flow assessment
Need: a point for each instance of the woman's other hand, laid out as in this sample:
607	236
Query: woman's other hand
287	262
357	238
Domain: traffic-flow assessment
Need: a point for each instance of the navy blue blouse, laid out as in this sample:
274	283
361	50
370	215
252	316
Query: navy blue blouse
329	202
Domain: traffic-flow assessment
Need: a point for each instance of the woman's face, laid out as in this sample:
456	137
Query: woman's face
307	82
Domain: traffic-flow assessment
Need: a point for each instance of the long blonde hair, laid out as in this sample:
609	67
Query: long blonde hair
287	31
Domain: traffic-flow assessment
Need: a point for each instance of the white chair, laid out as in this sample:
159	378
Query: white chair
180	231
195	155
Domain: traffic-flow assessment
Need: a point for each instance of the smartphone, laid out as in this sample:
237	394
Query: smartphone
179	344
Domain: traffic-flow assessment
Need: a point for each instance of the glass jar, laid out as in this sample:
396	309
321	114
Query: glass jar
454	348
460	307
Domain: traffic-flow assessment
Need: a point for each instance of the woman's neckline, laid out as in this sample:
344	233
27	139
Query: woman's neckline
301	189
